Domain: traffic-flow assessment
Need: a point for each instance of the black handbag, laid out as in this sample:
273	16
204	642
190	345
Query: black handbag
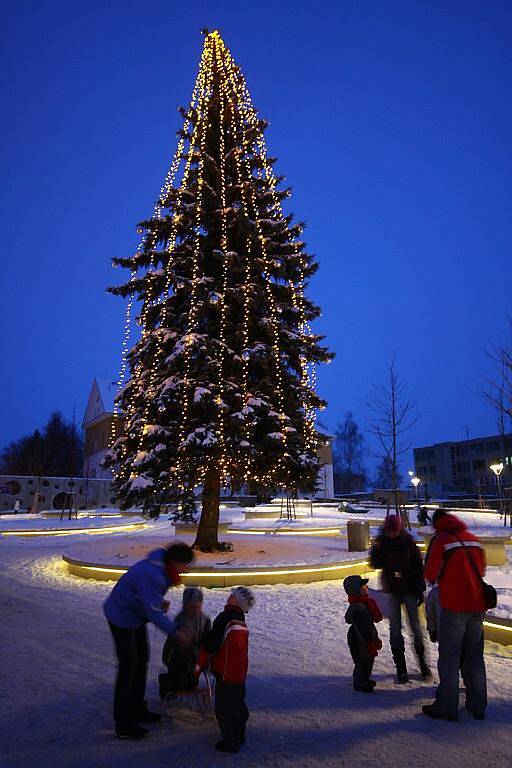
488	591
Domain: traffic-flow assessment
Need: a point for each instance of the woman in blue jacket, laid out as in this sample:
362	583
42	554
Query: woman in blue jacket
137	598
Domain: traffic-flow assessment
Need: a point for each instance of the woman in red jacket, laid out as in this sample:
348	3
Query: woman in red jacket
456	561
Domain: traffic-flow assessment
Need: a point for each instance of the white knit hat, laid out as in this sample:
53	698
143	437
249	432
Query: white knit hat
244	598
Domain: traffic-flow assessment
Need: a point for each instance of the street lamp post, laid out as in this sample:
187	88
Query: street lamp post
497	468
415	481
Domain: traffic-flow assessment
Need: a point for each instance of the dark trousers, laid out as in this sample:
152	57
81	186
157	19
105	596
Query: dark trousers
461	635
231	711
362	671
363	667
396	639
132	653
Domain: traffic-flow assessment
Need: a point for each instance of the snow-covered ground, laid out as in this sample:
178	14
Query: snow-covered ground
248	551
322	513
57	672
37	523
501	579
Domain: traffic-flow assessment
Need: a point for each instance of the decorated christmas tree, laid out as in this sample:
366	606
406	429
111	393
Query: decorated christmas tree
221	382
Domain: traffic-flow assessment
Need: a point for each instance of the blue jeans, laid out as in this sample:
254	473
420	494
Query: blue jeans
396	639
461	633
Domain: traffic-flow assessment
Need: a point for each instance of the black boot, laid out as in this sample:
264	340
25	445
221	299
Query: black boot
144	715
401	666
425	670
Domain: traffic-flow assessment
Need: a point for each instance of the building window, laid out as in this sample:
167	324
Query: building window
14	487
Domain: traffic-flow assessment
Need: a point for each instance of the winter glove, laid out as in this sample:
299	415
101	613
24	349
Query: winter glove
374	647
433	636
203	659
420	599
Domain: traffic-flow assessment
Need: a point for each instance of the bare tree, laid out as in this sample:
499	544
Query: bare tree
498	388
348	454
391	415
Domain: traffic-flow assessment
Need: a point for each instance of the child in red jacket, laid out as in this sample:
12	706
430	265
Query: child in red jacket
228	647
363	639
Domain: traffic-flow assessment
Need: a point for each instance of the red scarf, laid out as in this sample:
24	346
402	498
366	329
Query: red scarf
370	604
173	574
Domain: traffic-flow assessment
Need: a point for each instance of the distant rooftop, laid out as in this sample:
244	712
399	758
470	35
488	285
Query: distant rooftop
108	389
323	431
506	436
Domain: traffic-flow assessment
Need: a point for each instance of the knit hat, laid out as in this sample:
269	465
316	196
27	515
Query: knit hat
244	598
393	524
352	585
192	595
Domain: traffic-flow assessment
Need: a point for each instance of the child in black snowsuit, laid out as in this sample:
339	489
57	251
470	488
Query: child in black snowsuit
363	639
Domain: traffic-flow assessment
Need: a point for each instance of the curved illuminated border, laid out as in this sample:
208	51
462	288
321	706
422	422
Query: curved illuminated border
496	629
73	531
324	531
226	577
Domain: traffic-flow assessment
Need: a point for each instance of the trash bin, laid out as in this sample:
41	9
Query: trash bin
358	534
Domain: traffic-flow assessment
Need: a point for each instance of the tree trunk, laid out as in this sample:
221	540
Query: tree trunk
207	532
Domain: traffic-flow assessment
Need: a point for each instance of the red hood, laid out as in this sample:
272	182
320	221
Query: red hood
449	523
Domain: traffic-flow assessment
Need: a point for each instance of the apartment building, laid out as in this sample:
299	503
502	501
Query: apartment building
465	465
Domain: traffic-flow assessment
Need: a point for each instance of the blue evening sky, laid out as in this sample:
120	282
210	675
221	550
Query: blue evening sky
391	120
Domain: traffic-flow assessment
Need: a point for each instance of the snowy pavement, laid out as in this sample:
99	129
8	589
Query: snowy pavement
249	551
57	673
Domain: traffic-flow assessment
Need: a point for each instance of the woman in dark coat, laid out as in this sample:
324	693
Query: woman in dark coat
396	553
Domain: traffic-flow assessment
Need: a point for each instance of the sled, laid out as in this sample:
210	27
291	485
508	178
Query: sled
198	701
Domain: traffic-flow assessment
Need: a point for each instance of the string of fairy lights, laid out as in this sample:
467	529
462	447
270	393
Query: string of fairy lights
251	210
199	88
245	466
192	313
157	212
234	101
224	246
308	370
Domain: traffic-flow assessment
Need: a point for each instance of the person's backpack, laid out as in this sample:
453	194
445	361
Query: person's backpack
488	591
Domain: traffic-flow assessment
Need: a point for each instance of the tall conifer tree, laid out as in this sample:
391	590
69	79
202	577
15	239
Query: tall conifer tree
221	380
